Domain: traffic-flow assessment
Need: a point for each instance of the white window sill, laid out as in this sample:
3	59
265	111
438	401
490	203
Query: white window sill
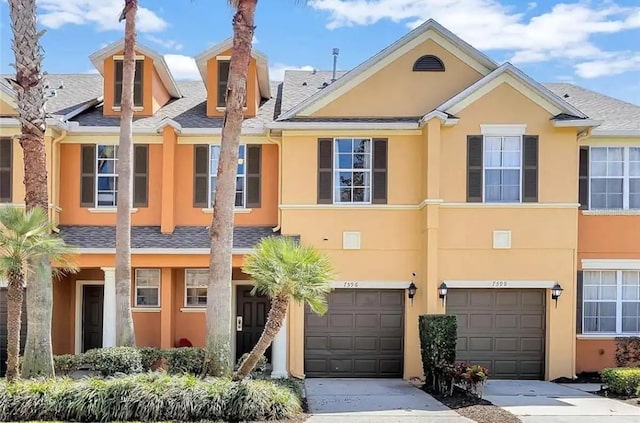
611	212
193	310
135	109
237	210
606	335
145	309
107	210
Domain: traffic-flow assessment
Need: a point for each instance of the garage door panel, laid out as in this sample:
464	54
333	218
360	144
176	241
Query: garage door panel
501	329
361	335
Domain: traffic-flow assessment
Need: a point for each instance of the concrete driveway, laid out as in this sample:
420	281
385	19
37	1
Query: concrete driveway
373	400
546	402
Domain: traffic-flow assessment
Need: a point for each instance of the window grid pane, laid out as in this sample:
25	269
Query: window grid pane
214	159
614	178
147	284
352	170
630	301
611	301
196	282
502	168
106	175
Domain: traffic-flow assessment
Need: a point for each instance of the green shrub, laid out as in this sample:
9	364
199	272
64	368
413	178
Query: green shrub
67	363
438	335
623	380
150	356
113	360
471	377
147	397
185	360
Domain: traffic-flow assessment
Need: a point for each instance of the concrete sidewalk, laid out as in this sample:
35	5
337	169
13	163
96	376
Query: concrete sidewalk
547	402
374	400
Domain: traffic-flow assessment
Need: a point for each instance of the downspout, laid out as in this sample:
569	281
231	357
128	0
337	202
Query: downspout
279	144
54	142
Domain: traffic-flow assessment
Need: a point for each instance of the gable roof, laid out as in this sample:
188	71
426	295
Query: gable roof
618	117
546	96
479	60
261	64
159	63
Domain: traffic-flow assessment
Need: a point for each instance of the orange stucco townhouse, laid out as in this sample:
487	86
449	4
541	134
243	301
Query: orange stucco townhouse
511	204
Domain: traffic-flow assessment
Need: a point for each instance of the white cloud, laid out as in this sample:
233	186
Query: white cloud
182	67
103	14
628	62
276	70
168	44
565	32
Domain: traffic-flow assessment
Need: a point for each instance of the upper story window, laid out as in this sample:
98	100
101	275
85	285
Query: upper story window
428	63
195	287
106	175
137	83
502	169
352	170
223	77
6	165
614	177
147	288
611	302
214	158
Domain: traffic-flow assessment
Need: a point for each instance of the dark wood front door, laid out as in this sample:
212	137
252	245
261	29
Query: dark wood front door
92	303
253	312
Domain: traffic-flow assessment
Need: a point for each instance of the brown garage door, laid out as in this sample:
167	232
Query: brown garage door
3	330
360	336
501	329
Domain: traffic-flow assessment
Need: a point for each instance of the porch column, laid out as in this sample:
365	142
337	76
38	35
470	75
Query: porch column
109	308
166	308
279	353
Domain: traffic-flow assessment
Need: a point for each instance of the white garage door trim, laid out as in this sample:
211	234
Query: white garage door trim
501	284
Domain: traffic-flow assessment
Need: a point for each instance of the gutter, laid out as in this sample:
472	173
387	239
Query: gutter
279	144
342	125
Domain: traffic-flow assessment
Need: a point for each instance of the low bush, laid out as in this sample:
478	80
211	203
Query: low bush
471	377
114	360
184	360
438	335
147	397
65	364
150	357
622	380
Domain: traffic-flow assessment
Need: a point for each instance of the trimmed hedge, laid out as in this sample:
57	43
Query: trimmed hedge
622	380
147	397
127	360
438	335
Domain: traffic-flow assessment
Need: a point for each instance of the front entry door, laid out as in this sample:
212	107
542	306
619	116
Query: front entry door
92	303
251	316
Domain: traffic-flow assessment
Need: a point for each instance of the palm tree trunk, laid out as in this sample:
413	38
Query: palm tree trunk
276	316
38	359
125	335
14	320
218	361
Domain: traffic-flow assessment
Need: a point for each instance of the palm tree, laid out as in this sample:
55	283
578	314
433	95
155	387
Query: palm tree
25	238
285	271
125	335
218	360
28	84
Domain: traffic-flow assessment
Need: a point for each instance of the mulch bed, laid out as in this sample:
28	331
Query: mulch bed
584	377
629	400
476	409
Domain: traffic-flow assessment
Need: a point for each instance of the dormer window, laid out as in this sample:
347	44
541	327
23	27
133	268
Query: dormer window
223	77
137	82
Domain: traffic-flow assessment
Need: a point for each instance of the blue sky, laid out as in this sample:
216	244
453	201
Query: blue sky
595	44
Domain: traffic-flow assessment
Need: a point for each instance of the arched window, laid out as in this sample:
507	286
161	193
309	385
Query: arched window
428	63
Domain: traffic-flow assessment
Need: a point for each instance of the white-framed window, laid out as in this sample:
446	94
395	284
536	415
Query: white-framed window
502	168
195	287
241	179
106	175
611	302
352	161
614	178
147	288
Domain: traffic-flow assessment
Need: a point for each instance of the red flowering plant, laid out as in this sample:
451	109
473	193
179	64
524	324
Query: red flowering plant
471	377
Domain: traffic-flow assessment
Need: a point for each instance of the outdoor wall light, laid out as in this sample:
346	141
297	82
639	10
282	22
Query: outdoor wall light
411	291
442	291
556	291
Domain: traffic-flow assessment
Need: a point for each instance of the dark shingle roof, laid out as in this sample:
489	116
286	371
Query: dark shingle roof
151	237
615	114
299	85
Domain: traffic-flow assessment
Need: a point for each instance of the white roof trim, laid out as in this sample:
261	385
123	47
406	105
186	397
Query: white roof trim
86	106
409	41
342	125
160	64
445	119
169	122
106	130
581	123
615	133
51	122
508	68
261	62
9	92
171	251
218	131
